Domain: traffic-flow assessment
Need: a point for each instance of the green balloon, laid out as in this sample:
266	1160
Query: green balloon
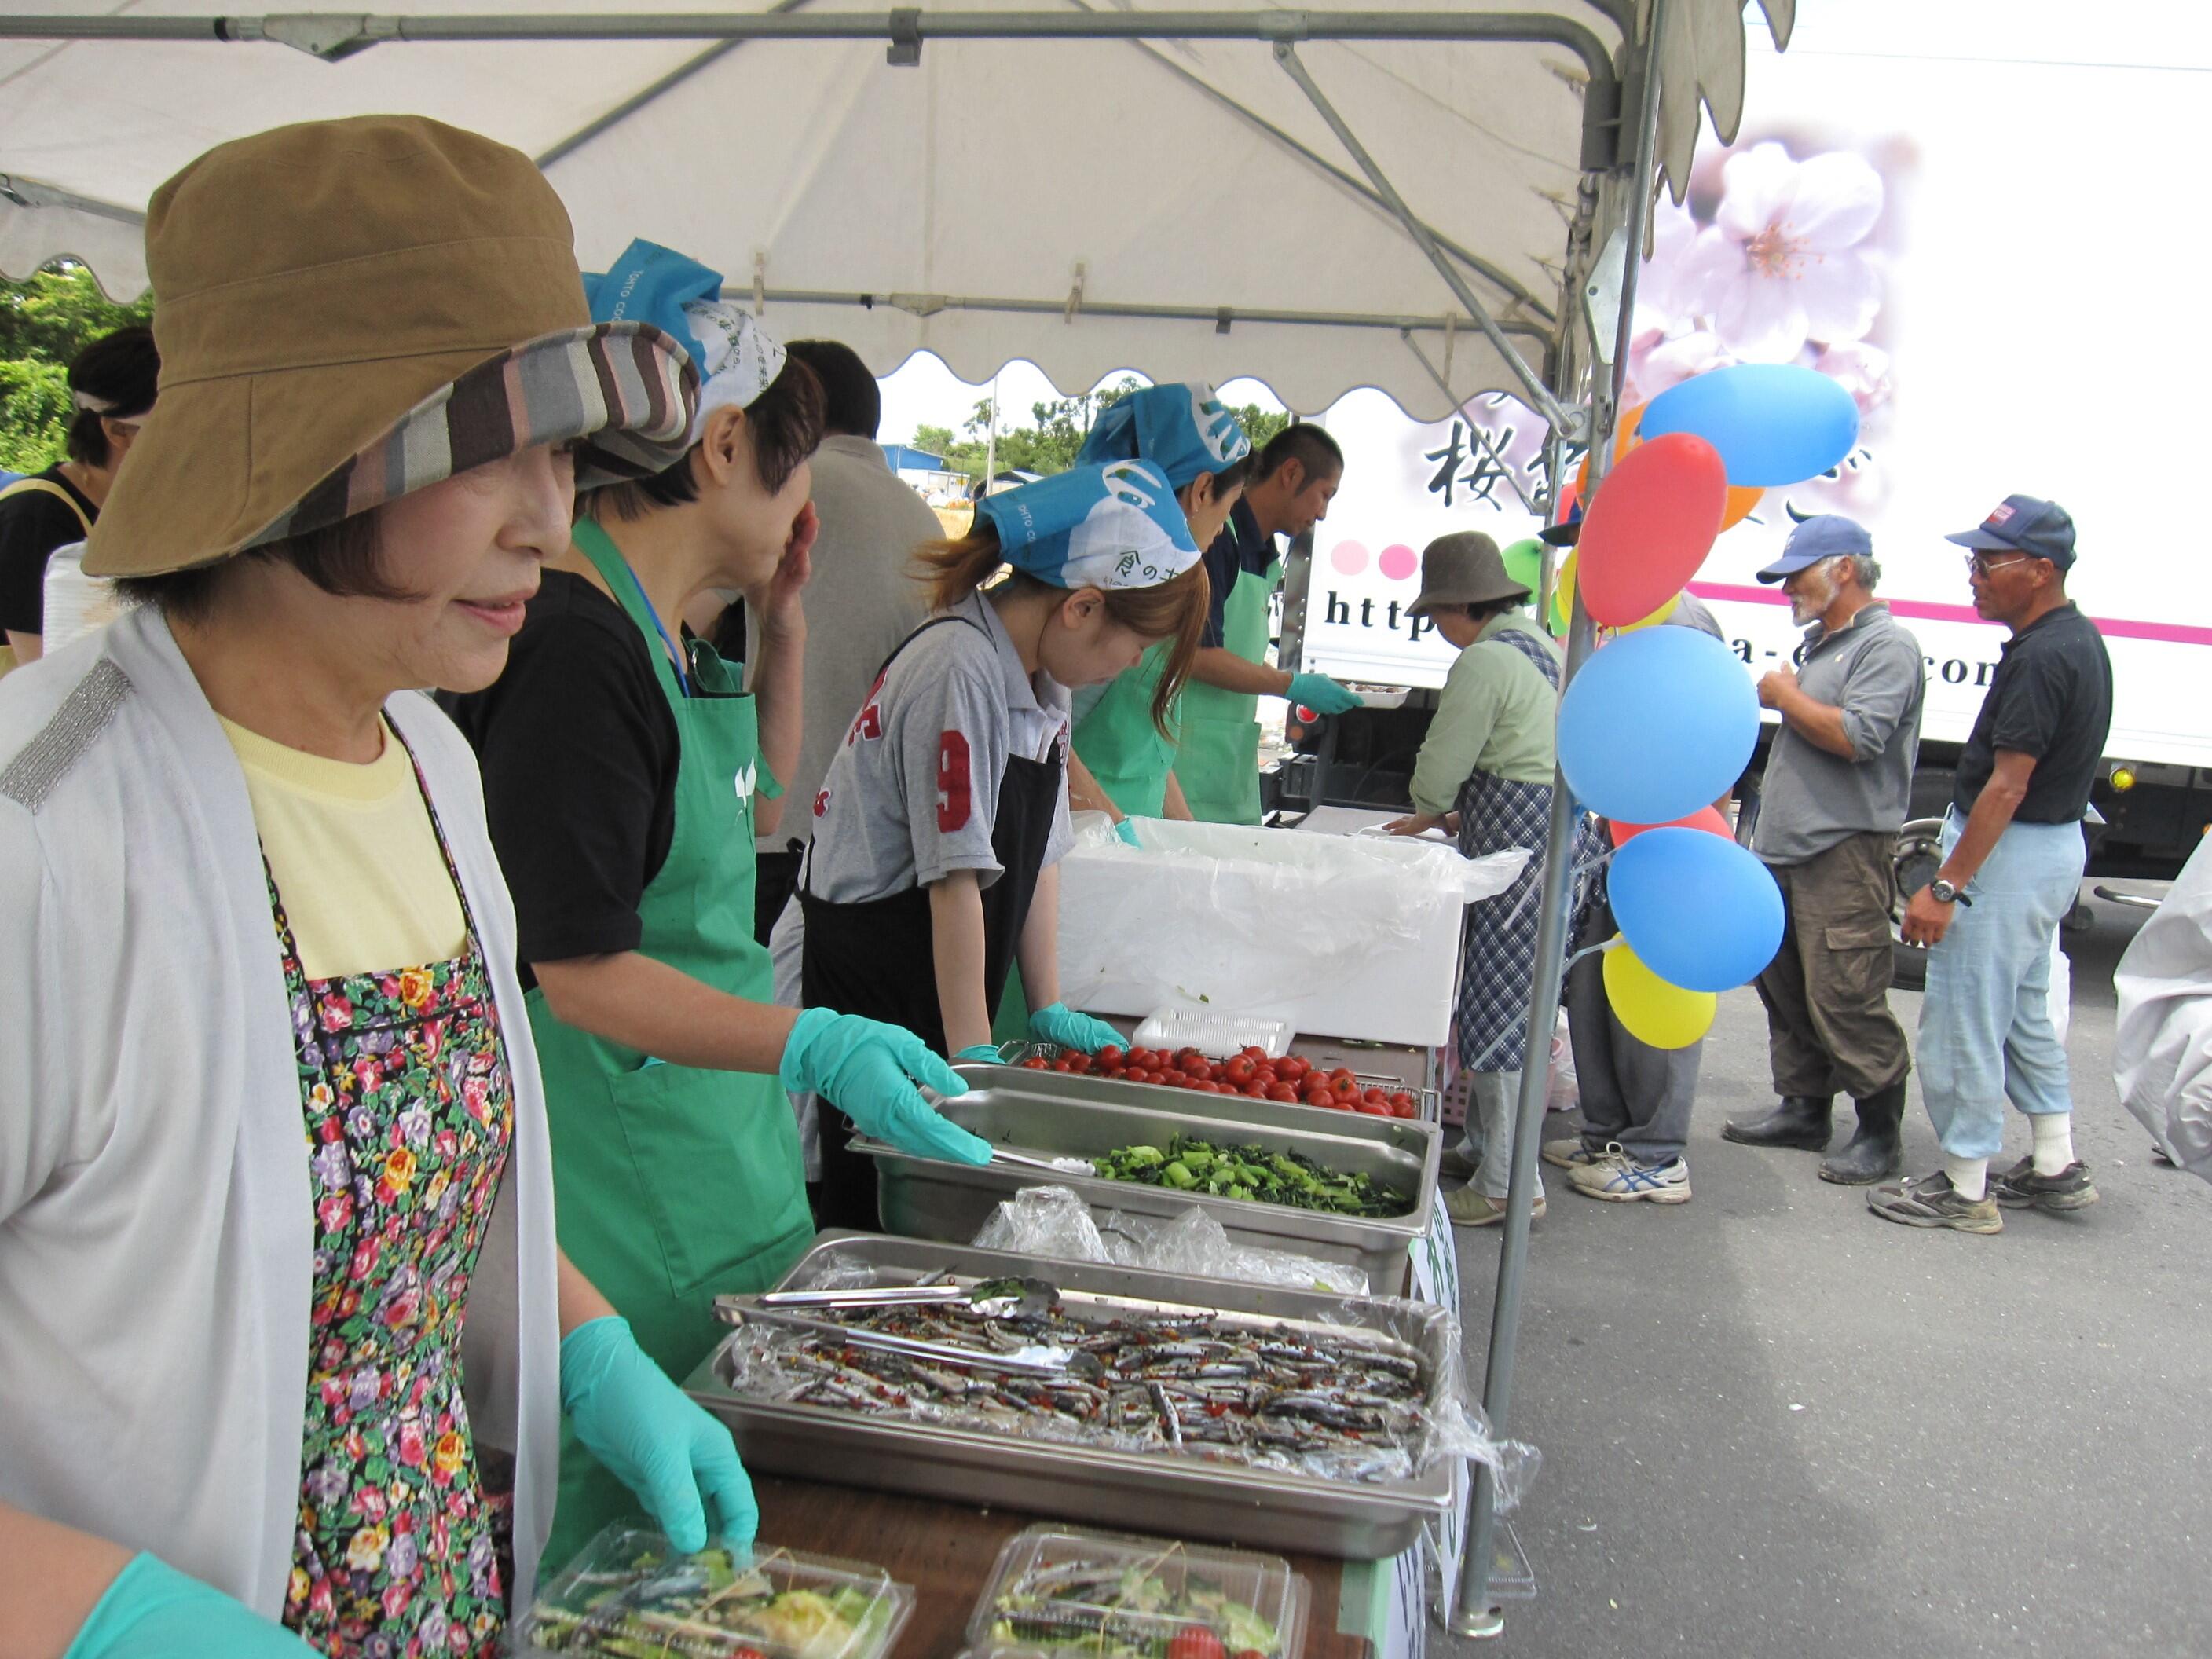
1524	563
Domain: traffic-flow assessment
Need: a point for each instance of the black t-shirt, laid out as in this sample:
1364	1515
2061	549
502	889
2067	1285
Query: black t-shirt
32	524
578	750
2051	698
1239	547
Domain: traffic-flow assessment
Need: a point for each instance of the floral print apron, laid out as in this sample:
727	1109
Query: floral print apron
409	1110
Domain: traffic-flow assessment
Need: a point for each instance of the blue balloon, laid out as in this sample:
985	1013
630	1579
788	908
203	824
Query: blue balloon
1701	912
1773	423
1655	725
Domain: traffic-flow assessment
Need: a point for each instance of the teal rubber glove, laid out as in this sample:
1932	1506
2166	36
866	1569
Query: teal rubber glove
983	1053
675	1458
154	1612
1125	830
868	1070
1060	1023
1323	694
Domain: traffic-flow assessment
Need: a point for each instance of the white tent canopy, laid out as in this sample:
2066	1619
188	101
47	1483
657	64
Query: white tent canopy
1178	206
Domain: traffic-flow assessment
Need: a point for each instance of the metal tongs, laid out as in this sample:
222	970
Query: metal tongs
1036	1360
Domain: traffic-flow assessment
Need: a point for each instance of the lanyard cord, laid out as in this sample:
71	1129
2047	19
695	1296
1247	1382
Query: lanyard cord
682	674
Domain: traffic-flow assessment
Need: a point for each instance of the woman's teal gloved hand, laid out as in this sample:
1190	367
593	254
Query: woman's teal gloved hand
1323	694
678	1461
1060	1023
978	1054
154	1612
1125	830
868	1070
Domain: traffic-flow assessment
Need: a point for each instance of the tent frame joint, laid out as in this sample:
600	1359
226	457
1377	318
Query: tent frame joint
905	49
330	36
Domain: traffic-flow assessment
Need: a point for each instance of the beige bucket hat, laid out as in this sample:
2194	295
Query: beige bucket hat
349	310
1464	568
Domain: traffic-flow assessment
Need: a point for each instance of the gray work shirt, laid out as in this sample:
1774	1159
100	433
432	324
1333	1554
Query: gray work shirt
862	601
910	797
1872	670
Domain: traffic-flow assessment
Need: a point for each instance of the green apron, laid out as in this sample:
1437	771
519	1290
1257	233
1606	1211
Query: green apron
673	1185
1123	749
1218	766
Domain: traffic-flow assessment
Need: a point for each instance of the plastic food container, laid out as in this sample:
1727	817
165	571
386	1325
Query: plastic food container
1062	1592
629	1592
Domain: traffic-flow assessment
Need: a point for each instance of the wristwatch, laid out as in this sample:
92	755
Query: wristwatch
1948	892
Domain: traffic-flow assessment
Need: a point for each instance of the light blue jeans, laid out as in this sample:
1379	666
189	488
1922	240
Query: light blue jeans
1985	1030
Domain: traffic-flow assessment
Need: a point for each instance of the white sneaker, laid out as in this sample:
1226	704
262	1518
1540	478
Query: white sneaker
1615	1177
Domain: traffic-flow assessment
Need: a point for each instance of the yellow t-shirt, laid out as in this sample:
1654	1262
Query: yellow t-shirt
356	862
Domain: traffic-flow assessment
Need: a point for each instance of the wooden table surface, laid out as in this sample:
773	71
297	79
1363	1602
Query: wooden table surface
947	1551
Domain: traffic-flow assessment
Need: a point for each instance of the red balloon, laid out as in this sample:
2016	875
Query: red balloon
1705	817
1649	527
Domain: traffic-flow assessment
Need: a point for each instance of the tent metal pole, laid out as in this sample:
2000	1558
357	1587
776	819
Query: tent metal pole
1540	395
1471	1614
1459	409
338	35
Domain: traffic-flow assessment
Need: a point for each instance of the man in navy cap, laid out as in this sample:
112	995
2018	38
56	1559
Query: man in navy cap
2013	857
1838	780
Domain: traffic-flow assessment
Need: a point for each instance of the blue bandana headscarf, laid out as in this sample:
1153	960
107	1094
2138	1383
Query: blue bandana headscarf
1181	429
1117	526
737	358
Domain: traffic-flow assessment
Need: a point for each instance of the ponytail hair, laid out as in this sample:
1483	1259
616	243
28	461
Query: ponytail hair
1175	611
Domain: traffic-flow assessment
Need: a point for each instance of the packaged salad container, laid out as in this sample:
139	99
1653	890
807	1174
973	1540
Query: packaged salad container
1064	1593
629	1594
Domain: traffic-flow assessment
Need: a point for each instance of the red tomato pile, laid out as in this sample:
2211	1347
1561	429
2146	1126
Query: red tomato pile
1289	1080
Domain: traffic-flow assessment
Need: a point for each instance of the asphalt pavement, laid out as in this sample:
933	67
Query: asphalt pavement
1773	1424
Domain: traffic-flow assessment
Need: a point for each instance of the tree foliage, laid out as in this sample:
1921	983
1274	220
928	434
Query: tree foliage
1054	436
45	321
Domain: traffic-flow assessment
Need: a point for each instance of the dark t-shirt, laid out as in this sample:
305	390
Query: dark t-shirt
1239	547
2051	698
578	750
32	524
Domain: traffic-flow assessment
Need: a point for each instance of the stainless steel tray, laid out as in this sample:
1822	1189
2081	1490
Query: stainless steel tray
1054	1113
1153	1492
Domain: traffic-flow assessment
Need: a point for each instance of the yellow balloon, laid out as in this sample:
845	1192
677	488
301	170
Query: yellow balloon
1658	616
1563	593
1648	1008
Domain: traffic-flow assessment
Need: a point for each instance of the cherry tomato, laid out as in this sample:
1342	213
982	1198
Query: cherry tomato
1343	1072
1254	1052
1202	1070
1320	1098
1239	1069
1063	1066
1283	1091
1372	1107
1265	1073
1035	1063
1375	1096
1111	1054
1196	1642
1291	1068
1407	1110
1255	1091
1344	1086
1187	1058
1400	1098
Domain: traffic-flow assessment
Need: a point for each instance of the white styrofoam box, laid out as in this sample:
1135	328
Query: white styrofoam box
1337	935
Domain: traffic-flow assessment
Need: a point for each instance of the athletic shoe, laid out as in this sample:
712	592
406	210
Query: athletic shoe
1930	1200
1469	1208
1615	1175
2020	1188
1567	1154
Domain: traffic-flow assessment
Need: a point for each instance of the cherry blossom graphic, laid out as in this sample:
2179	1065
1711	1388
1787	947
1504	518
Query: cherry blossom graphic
1782	264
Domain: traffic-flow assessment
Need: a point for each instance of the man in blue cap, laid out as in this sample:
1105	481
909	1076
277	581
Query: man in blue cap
1838	780
2013	857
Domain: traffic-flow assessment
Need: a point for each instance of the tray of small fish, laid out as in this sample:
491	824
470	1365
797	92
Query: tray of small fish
1249	1414
1035	1112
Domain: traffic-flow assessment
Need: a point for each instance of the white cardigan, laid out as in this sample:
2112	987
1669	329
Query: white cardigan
155	1225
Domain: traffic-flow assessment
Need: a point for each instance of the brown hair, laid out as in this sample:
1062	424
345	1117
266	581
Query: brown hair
784	424
1174	610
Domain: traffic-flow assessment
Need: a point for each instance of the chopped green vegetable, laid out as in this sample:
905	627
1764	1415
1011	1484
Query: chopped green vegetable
1253	1173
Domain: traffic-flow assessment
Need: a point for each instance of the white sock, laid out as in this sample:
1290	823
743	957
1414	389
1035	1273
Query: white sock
1969	1177
2054	1141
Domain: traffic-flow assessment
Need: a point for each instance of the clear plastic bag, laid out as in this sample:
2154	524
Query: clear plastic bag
1054	1221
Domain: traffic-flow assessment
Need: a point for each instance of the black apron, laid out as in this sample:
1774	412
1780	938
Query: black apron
878	957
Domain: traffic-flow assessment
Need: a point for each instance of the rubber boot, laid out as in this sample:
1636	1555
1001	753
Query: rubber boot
1800	1122
1876	1151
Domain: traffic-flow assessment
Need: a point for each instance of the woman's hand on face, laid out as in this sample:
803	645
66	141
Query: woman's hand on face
779	603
